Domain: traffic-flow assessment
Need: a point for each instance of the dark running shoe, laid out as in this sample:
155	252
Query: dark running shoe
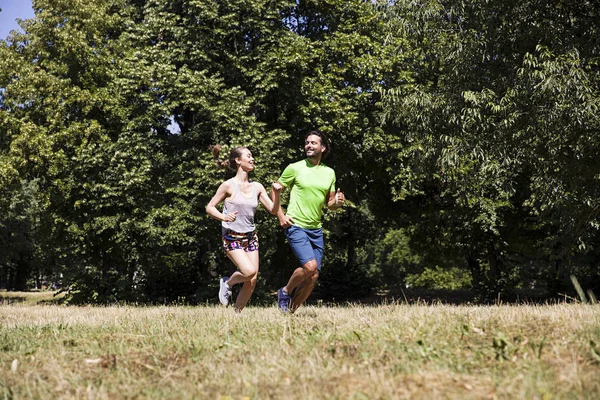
283	300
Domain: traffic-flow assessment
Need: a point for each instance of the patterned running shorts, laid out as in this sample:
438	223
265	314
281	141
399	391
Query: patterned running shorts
234	241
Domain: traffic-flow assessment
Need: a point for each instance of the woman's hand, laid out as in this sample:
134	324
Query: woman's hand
277	187
230	217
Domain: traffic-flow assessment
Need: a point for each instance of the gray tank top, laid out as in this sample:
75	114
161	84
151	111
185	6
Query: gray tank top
245	206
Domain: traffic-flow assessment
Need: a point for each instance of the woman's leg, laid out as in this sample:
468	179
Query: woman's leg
249	285
247	268
247	265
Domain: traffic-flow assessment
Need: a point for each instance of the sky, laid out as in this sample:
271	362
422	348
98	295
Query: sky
11	10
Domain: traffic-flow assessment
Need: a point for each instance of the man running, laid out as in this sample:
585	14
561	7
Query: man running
312	186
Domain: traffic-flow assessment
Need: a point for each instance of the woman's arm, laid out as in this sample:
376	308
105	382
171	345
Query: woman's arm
285	221
223	192
272	205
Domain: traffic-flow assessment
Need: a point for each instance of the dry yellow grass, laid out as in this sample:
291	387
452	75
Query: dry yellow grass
391	351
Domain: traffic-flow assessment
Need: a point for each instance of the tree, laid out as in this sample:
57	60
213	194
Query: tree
487	109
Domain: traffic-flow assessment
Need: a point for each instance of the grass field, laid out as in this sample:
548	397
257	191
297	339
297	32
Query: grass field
390	351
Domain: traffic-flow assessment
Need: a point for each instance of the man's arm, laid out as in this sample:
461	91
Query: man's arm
336	200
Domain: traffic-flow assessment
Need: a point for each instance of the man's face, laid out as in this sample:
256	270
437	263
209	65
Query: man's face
313	146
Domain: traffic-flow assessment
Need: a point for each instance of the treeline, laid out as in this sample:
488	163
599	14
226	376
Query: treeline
465	136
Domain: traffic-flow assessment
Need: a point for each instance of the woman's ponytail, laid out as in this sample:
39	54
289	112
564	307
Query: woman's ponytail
230	163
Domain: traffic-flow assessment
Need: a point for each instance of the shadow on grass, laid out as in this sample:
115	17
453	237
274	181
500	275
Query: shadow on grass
4	300
32	298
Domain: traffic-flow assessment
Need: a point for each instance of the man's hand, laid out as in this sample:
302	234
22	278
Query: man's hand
339	198
336	199
285	221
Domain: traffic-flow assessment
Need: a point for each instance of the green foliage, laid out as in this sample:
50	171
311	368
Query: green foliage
497	135
464	134
394	259
346	273
22	236
114	105
440	278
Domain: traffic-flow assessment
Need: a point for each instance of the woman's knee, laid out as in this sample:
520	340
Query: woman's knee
250	274
250	284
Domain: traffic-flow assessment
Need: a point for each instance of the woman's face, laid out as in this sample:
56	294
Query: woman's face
245	161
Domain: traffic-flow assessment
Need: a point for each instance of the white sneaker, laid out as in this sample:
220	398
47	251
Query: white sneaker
224	291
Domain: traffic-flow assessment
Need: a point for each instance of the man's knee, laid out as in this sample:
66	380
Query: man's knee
311	267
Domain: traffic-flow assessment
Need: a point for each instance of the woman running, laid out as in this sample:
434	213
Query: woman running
240	197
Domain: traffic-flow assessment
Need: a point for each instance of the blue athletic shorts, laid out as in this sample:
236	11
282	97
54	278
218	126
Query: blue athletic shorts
307	244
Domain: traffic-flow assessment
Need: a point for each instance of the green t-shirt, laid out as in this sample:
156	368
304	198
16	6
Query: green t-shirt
310	188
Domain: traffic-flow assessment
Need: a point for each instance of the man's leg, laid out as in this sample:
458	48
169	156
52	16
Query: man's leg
298	278
300	245
311	270
307	245
303	291
301	274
